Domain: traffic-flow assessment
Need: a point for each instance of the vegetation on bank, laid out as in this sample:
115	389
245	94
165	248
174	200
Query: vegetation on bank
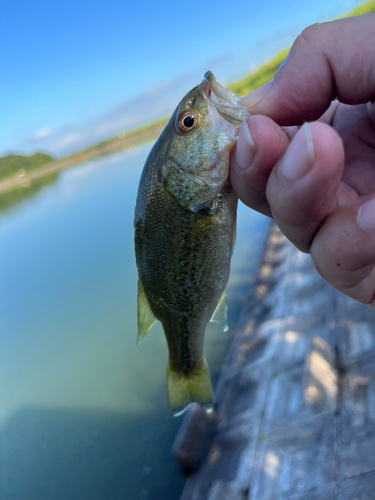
8	199
122	135
261	76
363	8
19	165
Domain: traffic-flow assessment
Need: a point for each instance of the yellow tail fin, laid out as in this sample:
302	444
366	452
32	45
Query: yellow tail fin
193	388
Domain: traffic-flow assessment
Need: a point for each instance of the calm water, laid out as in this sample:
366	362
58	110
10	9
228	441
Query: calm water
83	411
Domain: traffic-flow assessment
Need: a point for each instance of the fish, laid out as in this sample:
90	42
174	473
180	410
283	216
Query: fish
185	219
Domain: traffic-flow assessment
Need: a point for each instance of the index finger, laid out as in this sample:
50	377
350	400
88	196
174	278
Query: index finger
328	60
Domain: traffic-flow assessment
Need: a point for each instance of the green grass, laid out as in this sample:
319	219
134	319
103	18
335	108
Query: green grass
13	165
262	75
364	8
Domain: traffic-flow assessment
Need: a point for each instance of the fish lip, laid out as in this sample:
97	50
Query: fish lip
225	102
223	94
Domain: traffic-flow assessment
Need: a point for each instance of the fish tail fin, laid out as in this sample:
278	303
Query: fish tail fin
195	387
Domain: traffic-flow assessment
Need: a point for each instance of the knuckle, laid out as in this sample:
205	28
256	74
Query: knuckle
309	35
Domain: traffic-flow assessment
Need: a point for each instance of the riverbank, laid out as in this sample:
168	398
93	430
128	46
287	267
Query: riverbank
295	411
121	143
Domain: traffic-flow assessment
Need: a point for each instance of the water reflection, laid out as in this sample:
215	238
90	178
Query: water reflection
84	411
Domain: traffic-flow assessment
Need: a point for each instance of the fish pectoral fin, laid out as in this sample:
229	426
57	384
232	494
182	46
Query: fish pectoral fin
194	387
220	313
146	318
234	235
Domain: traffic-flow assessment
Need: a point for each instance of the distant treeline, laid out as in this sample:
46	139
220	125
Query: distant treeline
13	165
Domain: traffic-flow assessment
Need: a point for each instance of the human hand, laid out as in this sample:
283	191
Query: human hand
318	181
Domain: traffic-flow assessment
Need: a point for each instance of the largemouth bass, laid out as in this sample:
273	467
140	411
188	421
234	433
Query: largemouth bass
184	230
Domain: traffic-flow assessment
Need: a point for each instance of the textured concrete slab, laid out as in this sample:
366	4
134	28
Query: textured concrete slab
321	378
293	342
222	491
228	459
245	391
357	488
356	426
303	390
296	397
295	460
355	330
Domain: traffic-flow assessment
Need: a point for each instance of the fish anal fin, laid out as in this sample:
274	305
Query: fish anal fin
220	313
195	387
146	318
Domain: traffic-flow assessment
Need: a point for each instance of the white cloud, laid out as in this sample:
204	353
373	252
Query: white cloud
42	134
67	141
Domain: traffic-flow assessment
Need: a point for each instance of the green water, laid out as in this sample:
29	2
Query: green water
83	411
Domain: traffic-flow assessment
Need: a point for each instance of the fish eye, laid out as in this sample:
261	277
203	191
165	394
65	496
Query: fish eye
187	121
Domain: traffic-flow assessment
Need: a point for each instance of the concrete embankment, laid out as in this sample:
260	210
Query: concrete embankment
295	412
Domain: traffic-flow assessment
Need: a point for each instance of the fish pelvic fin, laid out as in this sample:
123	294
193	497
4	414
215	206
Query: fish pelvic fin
220	313
146	318
195	387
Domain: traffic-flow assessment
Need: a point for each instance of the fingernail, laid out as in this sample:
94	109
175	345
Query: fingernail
300	156
255	97
245	149
366	216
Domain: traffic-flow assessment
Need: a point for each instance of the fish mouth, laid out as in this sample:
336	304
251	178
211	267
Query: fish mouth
225	102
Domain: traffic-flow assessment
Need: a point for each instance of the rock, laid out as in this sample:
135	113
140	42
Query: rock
192	441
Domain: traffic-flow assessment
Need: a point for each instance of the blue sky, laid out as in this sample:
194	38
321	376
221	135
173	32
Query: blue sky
74	72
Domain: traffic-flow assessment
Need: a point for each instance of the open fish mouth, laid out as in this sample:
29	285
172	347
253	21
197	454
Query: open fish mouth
225	102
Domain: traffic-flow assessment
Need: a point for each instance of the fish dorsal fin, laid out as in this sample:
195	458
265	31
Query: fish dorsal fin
220	313
146	318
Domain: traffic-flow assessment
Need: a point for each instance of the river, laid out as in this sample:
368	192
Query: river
84	411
